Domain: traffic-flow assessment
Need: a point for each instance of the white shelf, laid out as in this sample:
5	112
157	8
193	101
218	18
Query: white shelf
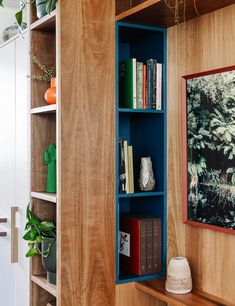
44	109
41	281
49	197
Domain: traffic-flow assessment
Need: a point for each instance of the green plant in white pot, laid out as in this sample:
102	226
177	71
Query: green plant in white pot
41	238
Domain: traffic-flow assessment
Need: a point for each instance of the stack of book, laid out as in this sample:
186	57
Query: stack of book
140	84
140	244
126	170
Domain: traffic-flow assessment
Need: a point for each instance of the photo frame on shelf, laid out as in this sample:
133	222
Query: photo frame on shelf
209	149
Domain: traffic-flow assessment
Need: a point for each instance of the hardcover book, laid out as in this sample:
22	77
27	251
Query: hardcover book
122	169
139	84
127	83
156	245
154	85
126	167
149	246
149	83
159	87
131	170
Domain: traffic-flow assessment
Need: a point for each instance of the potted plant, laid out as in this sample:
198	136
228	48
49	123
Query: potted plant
43	7
41	237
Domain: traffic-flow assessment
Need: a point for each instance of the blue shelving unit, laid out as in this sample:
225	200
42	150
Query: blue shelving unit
145	130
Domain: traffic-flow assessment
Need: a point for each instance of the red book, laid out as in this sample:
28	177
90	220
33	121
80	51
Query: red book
144	84
134	260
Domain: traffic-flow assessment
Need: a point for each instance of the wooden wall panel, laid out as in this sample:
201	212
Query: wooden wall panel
202	44
86	199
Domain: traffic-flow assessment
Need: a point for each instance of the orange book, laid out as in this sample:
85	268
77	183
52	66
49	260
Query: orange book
144	84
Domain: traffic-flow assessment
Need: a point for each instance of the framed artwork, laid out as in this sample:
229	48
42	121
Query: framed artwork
209	149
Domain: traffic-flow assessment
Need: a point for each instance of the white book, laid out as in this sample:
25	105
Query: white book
126	166
159	87
131	170
134	84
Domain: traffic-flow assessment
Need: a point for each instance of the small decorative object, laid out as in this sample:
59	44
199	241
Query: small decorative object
50	94
41	238
209	151
50	161
179	280
146	180
41	8
12	31
49	262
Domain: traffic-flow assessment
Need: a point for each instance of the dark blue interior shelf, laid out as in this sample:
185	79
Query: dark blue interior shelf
145	131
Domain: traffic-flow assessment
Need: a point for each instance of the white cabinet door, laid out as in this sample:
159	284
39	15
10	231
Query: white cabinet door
14	169
21	169
7	169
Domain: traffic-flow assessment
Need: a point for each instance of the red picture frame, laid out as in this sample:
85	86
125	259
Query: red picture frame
186	218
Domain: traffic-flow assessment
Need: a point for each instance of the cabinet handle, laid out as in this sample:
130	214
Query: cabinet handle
3	234
3	220
14	235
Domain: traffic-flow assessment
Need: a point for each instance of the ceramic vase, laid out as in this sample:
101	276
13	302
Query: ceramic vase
50	94
41	8
146	180
49	262
179	280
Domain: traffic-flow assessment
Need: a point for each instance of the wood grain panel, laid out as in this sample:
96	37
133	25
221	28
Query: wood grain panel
40	297
128	295
202	44
86	151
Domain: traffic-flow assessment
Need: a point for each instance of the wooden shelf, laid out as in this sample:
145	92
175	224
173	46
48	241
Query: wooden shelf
46	23
156	13
140	194
42	282
45	196
44	109
156	288
51	303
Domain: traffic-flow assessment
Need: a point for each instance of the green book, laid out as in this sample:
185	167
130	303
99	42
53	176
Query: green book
140	85
127	83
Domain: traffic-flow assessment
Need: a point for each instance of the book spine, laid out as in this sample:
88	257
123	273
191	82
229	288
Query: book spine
143	249
159	87
134	82
139	94
131	170
149	95
149	246
144	86
126	166
156	246
154	99
122	171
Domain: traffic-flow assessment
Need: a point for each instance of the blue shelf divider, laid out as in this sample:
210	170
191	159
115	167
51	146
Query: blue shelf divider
145	130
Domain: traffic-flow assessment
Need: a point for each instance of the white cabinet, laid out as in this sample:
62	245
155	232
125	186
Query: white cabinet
14	169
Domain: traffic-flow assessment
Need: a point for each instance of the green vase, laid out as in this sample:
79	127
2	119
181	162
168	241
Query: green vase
41	8
49	262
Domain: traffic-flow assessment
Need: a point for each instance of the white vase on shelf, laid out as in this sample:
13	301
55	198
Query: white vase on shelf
179	279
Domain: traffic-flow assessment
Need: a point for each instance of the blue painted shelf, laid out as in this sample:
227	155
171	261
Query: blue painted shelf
145	131
141	194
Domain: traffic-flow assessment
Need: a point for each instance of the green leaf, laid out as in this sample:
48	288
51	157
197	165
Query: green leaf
50	6
31	252
28	213
39	239
19	17
27	236
27	225
1	3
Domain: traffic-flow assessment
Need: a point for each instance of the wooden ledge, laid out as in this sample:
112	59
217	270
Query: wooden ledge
156	288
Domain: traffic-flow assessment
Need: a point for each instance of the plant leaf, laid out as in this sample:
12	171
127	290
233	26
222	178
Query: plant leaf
1	3
19	17
27	236
31	252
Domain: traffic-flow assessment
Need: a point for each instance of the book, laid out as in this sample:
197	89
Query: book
126	167
149	83
133	227
122	169
127	83
149	246
159	87
131	169
139	84
144	86
154	85
156	245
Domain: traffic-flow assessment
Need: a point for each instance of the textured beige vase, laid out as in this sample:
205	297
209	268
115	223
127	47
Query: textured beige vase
179	280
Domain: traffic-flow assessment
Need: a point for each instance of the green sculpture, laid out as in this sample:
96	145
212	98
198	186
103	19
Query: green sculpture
50	161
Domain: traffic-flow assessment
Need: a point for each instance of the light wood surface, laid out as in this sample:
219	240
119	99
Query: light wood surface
202	44
41	280
14	235
86	267
155	12
156	288
44	109
46	23
39	296
50	197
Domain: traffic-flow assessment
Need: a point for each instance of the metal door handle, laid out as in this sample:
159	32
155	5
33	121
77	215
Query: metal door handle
3	234
3	220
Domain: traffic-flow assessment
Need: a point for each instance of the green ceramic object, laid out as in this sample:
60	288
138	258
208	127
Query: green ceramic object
50	161
49	262
41	8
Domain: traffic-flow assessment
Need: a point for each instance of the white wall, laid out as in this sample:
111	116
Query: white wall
7	18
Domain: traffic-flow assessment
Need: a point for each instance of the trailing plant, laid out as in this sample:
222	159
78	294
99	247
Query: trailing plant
47	73
37	230
50	6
